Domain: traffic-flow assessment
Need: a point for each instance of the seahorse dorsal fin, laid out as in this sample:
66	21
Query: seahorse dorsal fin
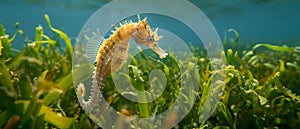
92	47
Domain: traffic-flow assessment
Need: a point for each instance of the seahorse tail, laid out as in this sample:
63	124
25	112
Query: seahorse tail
93	99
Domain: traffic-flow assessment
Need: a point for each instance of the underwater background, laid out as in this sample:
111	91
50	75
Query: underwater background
271	21
261	40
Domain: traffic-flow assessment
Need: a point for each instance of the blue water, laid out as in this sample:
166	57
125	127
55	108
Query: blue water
272	21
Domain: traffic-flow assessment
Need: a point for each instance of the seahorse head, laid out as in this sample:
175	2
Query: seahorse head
142	34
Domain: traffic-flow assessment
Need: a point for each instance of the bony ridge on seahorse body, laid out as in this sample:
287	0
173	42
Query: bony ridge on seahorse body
112	55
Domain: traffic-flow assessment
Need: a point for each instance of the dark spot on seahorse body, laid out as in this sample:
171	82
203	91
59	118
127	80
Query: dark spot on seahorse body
113	42
95	63
106	49
119	35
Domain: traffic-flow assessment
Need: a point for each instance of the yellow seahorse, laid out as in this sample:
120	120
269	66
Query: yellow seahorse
112	55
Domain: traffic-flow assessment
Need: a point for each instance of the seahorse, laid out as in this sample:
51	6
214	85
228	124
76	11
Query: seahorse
112	55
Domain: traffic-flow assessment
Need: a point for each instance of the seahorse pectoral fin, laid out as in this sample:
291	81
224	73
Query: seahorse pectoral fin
159	51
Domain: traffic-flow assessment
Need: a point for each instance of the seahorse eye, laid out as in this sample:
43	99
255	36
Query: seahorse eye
150	39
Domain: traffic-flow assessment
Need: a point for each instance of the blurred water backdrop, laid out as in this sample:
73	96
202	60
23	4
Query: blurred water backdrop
270	21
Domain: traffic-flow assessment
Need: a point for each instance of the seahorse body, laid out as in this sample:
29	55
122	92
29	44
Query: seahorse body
112	55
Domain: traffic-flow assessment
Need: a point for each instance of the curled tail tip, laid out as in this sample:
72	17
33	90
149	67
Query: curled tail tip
93	98
81	92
